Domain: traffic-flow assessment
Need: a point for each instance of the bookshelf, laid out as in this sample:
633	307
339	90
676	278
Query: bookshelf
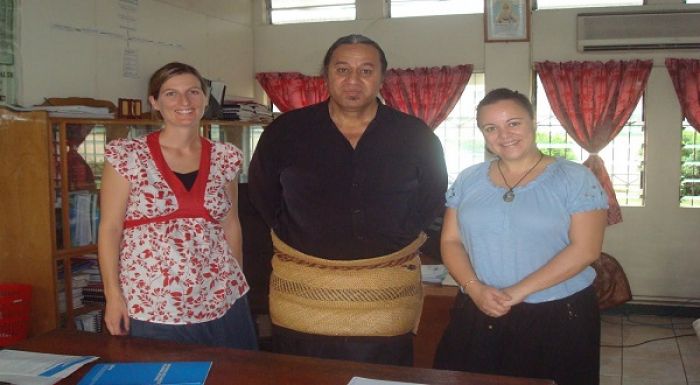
56	163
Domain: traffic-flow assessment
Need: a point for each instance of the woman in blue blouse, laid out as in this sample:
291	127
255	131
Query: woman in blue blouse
518	236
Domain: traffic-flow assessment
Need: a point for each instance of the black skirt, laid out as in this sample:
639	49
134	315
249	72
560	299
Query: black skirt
394	350
557	340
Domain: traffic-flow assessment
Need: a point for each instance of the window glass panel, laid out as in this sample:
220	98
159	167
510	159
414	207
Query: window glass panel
461	138
307	11
692	1
276	4
92	150
9	23
623	157
553	4
690	166
409	8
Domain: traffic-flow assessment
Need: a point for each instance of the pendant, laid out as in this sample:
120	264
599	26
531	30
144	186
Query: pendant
509	196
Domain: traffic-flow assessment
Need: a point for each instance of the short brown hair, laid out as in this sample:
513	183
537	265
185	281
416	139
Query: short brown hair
166	72
169	70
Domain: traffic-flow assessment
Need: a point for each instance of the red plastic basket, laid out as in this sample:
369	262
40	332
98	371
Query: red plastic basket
15	301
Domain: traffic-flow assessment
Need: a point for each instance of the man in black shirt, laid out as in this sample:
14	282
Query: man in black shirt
347	187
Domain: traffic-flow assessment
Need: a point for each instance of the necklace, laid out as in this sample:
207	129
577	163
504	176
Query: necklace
510	194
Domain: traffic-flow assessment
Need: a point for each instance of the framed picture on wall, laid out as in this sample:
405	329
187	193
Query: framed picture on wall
506	20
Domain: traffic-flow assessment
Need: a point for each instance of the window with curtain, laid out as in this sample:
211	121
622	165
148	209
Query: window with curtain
460	137
309	11
690	166
411	8
623	157
555	4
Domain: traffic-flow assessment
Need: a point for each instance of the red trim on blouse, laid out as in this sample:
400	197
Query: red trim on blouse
190	203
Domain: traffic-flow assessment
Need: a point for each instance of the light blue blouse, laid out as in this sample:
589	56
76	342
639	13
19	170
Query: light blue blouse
508	241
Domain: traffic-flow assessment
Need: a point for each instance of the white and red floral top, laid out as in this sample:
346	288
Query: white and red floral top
175	266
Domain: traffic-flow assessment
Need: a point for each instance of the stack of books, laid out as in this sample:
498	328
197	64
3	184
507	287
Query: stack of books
89	322
246	110
93	292
83	217
78	283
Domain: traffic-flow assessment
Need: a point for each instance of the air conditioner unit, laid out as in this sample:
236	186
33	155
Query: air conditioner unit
638	31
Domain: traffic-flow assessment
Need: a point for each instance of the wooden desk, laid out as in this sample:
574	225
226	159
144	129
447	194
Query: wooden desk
243	367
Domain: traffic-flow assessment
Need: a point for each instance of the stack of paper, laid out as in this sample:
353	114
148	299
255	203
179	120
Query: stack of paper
78	283
89	322
76	111
433	273
29	368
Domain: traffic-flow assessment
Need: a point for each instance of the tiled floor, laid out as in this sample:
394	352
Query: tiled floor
673	361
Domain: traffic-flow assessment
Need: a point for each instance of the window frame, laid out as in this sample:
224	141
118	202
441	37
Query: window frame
694	199
269	10
536	5
390	4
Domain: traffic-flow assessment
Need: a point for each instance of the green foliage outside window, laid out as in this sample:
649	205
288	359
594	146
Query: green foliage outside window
690	167
555	145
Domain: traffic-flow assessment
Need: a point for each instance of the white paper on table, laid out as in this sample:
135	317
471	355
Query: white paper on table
16	379
29	368
433	273
370	381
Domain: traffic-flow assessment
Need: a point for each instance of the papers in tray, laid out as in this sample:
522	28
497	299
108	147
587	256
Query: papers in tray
75	111
437	274
433	273
29	368
148	373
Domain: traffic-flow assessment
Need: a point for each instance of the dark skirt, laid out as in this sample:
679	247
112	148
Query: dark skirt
558	340
235	329
395	350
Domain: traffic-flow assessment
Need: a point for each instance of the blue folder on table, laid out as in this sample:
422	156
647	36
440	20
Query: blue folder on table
148	373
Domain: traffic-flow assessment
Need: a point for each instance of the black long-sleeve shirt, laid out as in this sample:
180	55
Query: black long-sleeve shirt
329	200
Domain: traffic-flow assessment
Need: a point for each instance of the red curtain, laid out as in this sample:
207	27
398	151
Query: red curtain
593	101
428	93
292	90
685	75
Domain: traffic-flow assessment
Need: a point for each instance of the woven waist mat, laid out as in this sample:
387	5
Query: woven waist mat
380	296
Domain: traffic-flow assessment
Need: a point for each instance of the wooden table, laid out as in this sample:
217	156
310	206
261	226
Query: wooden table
233	366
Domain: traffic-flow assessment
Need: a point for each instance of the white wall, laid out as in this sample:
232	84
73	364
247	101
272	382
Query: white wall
76	47
658	244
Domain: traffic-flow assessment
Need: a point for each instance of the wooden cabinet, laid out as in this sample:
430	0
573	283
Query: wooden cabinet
49	184
26	246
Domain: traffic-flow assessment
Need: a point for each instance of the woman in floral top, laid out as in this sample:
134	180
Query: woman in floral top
170	238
